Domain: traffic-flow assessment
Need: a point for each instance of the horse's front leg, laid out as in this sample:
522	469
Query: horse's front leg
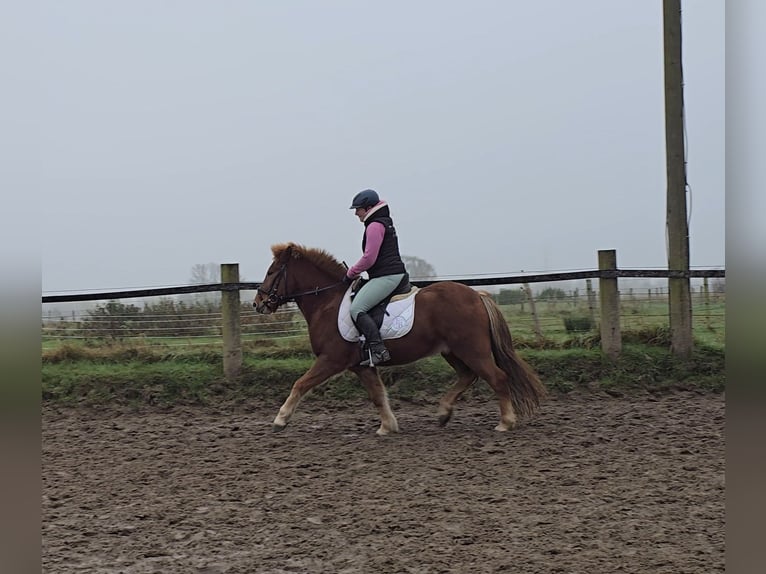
320	371
377	391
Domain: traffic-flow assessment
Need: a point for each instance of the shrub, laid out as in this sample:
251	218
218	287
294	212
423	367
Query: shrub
510	297
552	294
577	324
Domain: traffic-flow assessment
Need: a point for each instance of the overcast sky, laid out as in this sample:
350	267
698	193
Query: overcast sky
506	135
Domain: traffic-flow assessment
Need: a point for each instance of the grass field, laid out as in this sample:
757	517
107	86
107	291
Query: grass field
166	375
709	322
638	317
137	368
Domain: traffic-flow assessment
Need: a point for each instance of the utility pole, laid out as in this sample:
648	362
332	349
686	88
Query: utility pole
679	301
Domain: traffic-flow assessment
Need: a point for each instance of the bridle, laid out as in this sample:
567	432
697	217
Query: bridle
274	300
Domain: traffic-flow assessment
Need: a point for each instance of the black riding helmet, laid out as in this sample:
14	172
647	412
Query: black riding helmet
365	199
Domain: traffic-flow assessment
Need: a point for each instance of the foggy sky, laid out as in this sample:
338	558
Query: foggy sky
505	135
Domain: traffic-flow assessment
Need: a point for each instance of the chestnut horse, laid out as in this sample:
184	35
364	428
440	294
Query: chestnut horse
464	325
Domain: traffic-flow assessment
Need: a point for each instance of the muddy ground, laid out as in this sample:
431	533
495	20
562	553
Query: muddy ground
595	484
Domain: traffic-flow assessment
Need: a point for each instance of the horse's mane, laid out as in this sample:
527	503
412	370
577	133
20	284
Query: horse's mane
319	257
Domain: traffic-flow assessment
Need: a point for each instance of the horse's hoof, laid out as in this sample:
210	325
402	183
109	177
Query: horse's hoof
444	419
502	428
278	428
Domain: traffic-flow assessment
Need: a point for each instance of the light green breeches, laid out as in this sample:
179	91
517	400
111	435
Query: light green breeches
373	292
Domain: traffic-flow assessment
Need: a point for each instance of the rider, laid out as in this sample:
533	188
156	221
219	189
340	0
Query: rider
383	264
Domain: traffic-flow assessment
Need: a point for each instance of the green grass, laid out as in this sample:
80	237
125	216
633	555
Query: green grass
130	382
168	371
708	325
639	366
77	374
636	315
161	371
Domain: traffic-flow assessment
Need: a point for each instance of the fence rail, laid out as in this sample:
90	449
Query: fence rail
472	282
232	320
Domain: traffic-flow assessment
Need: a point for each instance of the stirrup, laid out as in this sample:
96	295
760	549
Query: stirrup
374	359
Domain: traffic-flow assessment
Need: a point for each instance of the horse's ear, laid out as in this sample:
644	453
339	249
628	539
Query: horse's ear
282	251
294	251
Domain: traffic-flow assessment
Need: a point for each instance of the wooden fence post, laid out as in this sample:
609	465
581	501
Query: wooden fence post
232	347
535	318
611	338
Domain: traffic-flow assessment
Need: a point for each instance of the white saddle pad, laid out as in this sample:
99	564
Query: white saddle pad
397	322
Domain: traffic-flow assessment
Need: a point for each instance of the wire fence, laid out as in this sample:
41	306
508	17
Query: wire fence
550	313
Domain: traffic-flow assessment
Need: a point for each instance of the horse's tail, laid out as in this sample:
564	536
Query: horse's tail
526	388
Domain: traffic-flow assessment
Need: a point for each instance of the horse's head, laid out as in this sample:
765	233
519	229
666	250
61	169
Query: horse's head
273	289
296	272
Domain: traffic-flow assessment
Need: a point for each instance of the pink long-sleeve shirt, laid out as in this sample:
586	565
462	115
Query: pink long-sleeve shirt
374	233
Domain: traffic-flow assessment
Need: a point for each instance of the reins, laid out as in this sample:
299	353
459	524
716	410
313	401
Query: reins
315	291
277	300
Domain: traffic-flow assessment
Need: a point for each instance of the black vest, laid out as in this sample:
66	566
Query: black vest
389	262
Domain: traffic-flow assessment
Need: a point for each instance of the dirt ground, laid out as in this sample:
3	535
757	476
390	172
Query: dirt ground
594	484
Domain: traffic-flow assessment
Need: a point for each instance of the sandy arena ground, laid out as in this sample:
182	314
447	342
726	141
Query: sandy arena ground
593	485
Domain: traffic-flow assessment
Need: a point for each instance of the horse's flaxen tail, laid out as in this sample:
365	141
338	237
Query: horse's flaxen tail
526	388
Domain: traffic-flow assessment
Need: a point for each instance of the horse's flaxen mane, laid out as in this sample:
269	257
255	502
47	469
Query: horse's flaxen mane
319	257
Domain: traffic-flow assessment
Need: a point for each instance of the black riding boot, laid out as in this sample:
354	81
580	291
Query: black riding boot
377	350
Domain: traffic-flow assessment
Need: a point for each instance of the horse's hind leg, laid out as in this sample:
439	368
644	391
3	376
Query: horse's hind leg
466	377
498	380
503	392
320	371
377	391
